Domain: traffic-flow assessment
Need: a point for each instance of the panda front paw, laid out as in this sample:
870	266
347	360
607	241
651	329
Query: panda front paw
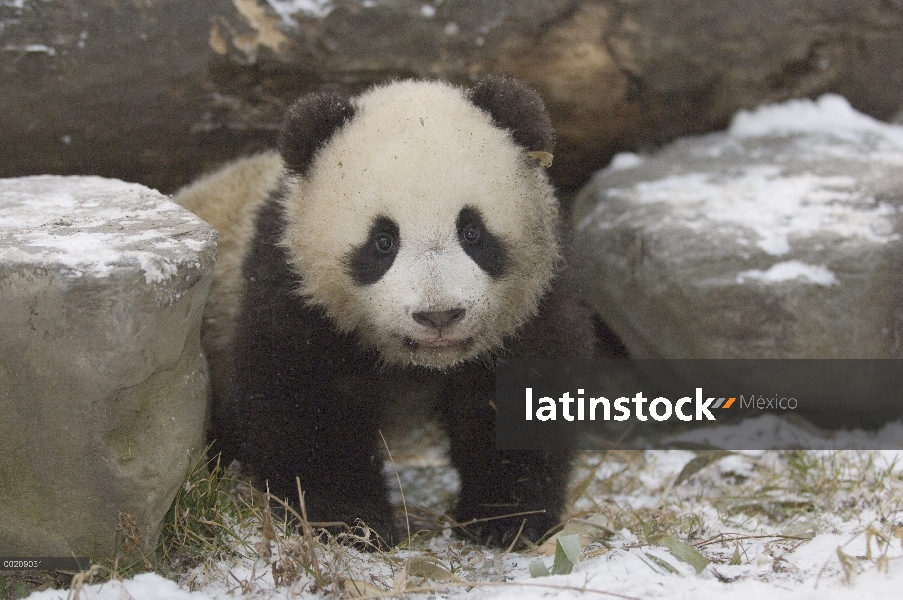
370	535
491	526
364	530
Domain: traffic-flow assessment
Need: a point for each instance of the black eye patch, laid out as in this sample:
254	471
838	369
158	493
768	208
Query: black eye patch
371	260
480	244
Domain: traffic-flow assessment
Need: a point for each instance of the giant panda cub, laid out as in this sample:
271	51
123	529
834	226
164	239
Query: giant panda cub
409	234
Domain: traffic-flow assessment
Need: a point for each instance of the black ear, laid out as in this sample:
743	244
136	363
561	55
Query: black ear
308	125
517	108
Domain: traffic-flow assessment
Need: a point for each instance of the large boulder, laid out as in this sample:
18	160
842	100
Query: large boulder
103	386
778	238
157	91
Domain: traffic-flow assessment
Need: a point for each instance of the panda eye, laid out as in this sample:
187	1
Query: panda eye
384	243
470	234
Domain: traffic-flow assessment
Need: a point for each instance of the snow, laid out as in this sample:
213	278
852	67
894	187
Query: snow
768	208
830	115
32	48
312	8
625	160
90	226
790	270
146	586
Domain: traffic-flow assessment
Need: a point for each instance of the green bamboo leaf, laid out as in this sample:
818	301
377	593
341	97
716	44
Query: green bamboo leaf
567	554
735	559
538	569
684	552
429	567
662	563
702	460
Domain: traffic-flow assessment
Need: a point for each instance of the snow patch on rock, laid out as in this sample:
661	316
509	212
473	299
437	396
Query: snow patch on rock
624	160
830	115
791	270
89	226
772	206
311	8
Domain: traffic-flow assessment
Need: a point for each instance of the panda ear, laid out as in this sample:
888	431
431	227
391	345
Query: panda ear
517	108
309	124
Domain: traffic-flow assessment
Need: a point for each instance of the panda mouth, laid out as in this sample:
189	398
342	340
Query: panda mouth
437	343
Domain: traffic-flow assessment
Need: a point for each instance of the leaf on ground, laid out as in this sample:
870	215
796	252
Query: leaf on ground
701	461
430	567
356	588
662	563
684	552
538	569
778	509
567	554
801	529
592	529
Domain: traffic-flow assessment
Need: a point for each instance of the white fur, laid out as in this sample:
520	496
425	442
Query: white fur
418	153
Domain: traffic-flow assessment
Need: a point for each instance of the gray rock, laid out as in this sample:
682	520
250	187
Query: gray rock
103	386
778	238
182	86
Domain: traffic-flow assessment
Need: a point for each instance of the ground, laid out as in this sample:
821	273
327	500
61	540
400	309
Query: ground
652	524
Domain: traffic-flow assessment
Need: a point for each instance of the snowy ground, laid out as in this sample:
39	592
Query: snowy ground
790	525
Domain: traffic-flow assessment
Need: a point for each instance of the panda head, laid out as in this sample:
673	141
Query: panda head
417	218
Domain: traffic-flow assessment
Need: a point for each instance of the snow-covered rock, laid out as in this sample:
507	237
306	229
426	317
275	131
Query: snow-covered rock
103	385
778	238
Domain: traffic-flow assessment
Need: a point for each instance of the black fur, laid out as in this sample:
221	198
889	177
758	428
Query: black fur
517	108
372	259
480	244
309	124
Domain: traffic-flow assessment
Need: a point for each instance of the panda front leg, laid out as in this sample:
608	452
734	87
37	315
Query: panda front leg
307	407
303	395
327	440
502	492
343	475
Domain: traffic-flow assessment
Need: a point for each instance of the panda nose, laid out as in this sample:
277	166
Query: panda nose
439	318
